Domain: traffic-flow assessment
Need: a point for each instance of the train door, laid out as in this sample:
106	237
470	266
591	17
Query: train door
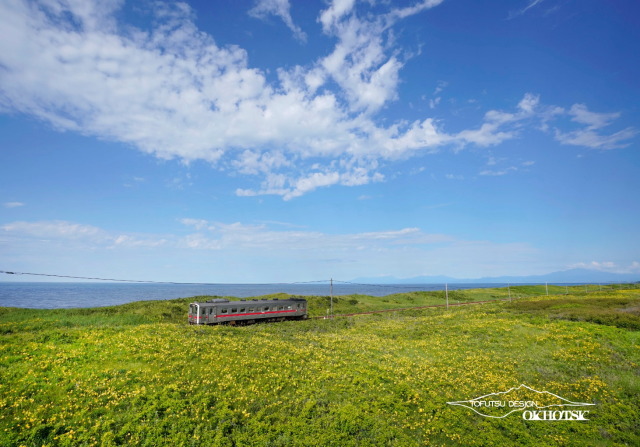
208	314
205	314
213	315
194	313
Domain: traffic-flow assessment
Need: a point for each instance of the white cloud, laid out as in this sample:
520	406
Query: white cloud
217	235
335	12
211	235
290	188
499	173
593	120
501	126
529	103
360	62
590	138
279	8
590	135
12	204
440	87
401	13
63	232
493	161
531	4
172	91
609	266
360	65
53	229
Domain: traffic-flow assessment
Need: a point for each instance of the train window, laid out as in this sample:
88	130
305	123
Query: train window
242	310
234	310
288	307
266	308
223	310
251	309
281	308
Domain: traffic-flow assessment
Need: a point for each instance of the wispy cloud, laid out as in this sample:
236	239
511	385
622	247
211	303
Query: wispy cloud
12	204
591	134
499	173
521	11
213	245
64	232
493	172
281	9
609	266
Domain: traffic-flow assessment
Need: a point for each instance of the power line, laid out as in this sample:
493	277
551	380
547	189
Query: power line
147	281
321	281
393	286
138	281
99	279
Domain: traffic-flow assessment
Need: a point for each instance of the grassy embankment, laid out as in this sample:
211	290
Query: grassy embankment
137	374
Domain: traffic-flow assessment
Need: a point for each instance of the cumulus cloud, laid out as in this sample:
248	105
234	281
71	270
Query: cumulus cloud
172	91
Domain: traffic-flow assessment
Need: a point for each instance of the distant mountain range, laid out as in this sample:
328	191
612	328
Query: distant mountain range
566	276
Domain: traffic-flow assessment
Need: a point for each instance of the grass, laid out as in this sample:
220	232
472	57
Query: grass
137	374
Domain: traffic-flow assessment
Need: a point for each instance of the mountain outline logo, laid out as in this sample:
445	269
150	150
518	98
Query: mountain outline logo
533	404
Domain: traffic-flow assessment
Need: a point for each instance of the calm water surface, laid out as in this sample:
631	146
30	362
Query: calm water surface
55	295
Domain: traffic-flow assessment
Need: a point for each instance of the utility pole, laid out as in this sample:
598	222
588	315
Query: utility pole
446	291
331	296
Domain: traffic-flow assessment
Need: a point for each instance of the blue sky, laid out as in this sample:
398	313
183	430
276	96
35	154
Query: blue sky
279	141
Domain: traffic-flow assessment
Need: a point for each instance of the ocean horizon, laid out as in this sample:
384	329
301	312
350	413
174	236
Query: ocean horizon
62	295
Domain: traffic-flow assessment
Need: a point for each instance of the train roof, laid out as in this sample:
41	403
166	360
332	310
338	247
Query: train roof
216	301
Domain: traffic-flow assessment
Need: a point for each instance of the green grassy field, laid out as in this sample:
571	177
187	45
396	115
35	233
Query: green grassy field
137	374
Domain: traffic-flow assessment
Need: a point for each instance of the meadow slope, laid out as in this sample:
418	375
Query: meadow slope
137	374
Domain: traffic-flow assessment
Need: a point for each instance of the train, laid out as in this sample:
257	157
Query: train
223	311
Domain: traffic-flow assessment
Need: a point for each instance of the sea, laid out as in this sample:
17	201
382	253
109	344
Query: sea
61	295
